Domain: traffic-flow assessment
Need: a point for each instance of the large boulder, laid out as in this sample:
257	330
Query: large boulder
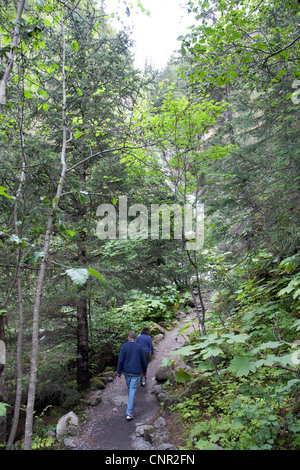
164	373
68	425
160	423
155	327
108	373
142	429
157	338
97	383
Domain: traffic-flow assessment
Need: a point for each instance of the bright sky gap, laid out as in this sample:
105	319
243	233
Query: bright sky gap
156	35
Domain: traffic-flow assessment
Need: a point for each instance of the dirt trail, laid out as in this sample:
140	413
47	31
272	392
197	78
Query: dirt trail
106	427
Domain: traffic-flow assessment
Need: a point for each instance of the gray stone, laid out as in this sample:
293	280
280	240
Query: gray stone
156	389
160	423
108	373
157	338
69	444
166	446
140	430
94	398
97	383
160	397
164	373
149	434
68	425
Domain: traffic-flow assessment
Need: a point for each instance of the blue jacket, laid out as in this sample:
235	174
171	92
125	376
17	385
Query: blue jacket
145	342
131	359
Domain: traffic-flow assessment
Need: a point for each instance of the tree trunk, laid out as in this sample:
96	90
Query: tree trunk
2	382
11	59
200	313
83	378
18	399
36	311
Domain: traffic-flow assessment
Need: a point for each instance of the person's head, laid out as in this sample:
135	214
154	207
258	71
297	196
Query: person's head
145	330
131	336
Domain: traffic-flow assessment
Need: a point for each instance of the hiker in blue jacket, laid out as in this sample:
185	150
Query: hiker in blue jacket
132	363
145	341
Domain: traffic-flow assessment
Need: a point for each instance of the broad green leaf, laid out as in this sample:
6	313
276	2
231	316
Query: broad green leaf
18	241
3	409
3	193
241	366
294	428
296	293
182	376
27	94
165	362
241	338
286	360
185	350
204	445
212	352
15	239
97	275
269	345
78	275
36	256
5	40
75	45
289	263
296	325
82	198
270	360
55	202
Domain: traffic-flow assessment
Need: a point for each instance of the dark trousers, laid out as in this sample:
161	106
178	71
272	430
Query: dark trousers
147	357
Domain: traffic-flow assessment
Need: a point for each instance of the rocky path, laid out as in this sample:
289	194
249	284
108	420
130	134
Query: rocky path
106	427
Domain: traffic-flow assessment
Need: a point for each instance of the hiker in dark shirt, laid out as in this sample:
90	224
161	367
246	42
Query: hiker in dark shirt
132	363
145	341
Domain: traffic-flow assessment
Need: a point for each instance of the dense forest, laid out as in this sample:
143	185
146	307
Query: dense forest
85	136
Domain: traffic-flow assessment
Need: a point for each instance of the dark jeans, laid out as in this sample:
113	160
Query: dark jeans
147	357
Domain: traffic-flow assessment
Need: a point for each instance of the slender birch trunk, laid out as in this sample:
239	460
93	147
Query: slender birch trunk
11	59
36	311
3	84
18	399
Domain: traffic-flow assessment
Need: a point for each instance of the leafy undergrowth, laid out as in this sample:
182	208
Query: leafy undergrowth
243	390
236	415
